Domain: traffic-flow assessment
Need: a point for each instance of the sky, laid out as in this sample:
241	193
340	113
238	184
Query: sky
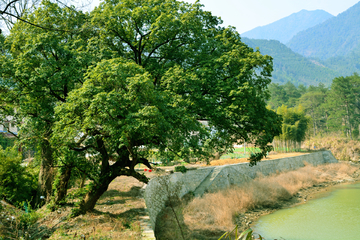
248	14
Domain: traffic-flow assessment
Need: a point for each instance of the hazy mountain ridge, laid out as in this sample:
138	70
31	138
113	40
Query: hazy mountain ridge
284	29
338	36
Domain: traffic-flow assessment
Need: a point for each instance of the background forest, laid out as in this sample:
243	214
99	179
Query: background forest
332	109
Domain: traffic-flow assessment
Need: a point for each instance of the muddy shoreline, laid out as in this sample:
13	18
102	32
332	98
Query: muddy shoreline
248	219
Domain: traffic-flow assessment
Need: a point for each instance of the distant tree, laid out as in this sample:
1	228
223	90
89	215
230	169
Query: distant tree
295	123
313	103
278	95
343	104
287	94
293	94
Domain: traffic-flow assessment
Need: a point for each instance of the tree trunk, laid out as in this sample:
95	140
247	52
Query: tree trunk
46	174
348	120
94	194
83	178
62	186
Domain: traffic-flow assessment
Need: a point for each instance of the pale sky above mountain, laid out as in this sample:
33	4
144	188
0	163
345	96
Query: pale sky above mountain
248	14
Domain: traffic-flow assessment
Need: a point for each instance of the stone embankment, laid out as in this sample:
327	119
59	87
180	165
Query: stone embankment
210	179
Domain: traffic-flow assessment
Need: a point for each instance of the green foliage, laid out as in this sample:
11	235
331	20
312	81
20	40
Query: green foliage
28	219
129	78
313	102
287	94
182	169
331	109
6	141
343	104
17	183
355	134
295	123
17	224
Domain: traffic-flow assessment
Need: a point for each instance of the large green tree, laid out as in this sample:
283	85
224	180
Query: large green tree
39	69
164	66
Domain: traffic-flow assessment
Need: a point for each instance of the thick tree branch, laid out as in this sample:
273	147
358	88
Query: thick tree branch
8	5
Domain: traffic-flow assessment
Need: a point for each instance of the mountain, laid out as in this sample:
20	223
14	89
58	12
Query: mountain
292	67
284	29
338	36
345	65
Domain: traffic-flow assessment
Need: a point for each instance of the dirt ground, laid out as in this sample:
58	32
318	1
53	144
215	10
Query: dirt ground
242	160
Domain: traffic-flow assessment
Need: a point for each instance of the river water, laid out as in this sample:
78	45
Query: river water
334	216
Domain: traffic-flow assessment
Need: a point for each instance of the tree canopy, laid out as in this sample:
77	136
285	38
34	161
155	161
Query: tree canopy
133	77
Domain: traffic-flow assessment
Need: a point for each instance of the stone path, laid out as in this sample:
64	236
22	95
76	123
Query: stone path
147	233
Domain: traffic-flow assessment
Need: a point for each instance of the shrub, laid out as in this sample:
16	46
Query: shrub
182	169
17	183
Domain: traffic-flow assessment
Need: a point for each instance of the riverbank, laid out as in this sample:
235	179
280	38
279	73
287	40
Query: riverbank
248	218
213	214
317	191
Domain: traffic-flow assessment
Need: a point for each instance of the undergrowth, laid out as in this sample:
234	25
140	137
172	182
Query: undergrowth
18	224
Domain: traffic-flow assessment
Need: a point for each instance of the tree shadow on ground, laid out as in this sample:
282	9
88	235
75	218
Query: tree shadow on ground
135	191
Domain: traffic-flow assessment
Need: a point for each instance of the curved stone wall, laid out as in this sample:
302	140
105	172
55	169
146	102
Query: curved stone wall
210	179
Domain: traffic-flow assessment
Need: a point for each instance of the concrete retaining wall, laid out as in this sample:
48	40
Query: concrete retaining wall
209	179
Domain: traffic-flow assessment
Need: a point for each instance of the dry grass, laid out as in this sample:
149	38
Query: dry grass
243	160
116	215
342	148
217	210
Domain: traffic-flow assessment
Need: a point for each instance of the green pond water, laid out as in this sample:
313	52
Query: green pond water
334	216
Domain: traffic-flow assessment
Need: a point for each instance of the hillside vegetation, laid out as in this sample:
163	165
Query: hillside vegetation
292	67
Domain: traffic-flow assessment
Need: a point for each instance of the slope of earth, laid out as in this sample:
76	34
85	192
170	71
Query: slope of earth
284	29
